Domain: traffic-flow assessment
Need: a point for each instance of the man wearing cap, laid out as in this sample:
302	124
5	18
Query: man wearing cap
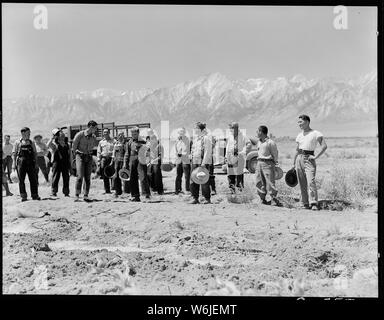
305	161
7	156
235	155
25	163
42	151
104	157
61	157
155	151
135	162
201	157
118	153
82	147
182	159
265	169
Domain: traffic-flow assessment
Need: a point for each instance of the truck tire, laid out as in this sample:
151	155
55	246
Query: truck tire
251	164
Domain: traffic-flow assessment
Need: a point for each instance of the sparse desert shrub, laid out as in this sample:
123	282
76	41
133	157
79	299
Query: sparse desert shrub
353	185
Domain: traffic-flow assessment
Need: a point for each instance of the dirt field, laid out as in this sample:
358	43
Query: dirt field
169	247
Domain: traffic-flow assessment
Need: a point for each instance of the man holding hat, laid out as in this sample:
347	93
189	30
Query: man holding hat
155	151
135	162
104	157
42	151
305	161
25	163
82	147
118	152
183	162
201	160
265	168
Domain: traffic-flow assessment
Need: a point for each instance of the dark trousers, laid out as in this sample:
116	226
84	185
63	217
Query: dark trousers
156	178
205	188
107	181
83	172
117	181
27	167
180	169
236	181
138	172
42	165
212	182
58	169
7	166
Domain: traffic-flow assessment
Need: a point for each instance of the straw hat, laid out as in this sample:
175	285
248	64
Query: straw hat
278	173
109	171
200	175
14	177
55	131
124	174
291	178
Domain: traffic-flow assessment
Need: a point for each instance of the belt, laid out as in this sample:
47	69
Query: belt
261	159
306	152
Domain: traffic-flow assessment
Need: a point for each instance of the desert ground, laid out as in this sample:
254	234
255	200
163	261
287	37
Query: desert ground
235	246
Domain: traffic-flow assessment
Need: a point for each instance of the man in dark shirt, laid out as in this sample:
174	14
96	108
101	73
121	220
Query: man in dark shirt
135	162
82	147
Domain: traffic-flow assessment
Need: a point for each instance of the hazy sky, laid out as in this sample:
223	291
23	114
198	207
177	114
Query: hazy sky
129	47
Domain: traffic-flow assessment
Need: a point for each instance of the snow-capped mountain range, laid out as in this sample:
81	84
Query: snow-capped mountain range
339	107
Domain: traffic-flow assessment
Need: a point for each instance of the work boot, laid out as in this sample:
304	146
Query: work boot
36	198
53	194
194	201
77	198
206	201
135	199
314	207
24	199
263	201
304	206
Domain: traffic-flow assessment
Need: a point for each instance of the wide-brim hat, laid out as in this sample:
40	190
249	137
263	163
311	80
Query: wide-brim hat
291	178
200	175
14	177
166	167
278	173
55	131
109	171
37	136
124	174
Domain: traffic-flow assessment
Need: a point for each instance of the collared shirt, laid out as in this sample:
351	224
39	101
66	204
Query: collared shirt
202	149
267	149
41	149
155	149
105	148
119	149
309	141
182	147
132	149
7	150
84	143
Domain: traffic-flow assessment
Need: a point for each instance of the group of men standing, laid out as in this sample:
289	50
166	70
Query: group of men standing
191	156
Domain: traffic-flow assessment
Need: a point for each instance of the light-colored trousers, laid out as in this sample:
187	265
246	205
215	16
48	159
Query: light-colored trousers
306	173
265	179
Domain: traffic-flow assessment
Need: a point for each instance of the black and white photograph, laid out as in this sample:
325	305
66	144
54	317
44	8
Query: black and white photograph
190	150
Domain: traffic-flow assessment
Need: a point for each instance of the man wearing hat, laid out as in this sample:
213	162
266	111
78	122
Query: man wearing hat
305	161
135	162
7	156
25	163
104	157
155	152
235	155
201	157
61	157
42	151
182	159
265	168
82	147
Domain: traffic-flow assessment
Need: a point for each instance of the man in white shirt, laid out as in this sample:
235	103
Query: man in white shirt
7	156
305	161
183	162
